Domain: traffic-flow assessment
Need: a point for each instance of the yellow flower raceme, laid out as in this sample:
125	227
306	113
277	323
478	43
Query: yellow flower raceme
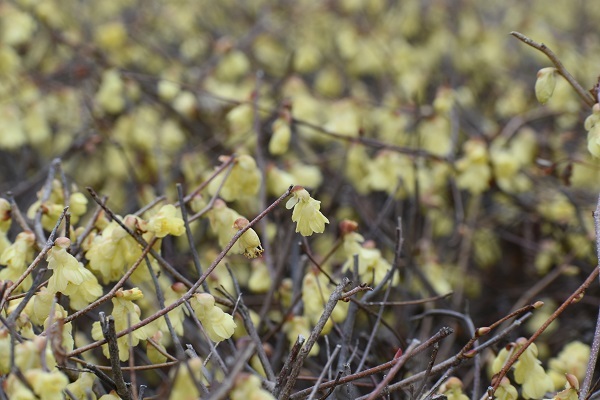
167	221
452	389
16	258
506	391
218	324
530	374
126	313
113	250
70	277
306	212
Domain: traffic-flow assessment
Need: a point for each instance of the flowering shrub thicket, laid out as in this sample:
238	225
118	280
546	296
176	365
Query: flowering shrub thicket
294	199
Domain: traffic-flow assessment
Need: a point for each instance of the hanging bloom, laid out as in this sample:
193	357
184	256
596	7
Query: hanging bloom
306	212
530	374
167	221
70	277
16	258
243	181
218	324
113	250
126	313
452	389
249	242
248	387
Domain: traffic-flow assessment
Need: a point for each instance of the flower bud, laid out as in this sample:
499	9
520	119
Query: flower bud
545	84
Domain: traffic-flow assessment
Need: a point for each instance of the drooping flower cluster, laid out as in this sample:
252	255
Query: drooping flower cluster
126	313
69	276
528	372
306	212
218	324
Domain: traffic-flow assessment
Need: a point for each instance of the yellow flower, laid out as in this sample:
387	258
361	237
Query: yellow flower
282	133
249	242
530	374
70	277
248	387
506	391
218	324
306	212
243	180
47	385
16	258
112	251
126	313
452	389
166	222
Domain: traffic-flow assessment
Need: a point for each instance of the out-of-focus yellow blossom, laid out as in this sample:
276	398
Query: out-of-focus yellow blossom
572	359
110	96
473	168
278	180
282	133
13	135
306	212
299	326
28	354
243	180
167	89
184	386
82	387
357	167
126	313
53	207
5	215
260	280
240	118
113	396
47	385
344	118
167	221
249	387
305	175
452	389
232	66
218	324
17	257
70	277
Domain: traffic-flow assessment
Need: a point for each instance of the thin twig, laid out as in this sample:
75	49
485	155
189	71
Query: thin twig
585	96
312	339
591	367
572	298
325	368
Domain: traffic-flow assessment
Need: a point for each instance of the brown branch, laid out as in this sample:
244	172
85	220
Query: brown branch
585	96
